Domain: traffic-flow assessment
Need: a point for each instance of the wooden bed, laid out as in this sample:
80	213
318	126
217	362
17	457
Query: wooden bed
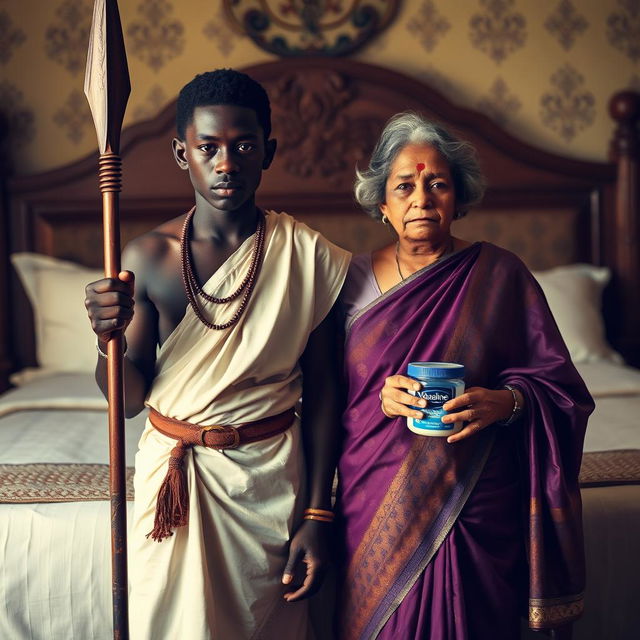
550	210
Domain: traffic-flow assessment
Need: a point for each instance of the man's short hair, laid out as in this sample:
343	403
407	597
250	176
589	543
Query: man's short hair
223	86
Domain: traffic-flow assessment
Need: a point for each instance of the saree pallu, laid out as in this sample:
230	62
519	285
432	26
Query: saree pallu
436	535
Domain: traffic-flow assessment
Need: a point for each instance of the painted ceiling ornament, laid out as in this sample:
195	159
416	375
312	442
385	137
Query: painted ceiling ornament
291	28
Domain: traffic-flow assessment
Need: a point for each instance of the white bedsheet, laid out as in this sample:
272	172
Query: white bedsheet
55	562
615	423
608	379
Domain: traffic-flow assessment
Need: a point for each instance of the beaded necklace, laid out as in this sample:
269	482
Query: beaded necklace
193	288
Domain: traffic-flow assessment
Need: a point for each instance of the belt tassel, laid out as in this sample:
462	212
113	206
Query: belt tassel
172	508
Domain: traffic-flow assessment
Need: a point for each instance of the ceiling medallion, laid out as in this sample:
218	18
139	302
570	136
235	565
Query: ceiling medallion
291	28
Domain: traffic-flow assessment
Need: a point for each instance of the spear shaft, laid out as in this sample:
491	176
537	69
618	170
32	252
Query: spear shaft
107	88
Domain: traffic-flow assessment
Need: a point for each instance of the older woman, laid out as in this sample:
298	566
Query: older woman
448	537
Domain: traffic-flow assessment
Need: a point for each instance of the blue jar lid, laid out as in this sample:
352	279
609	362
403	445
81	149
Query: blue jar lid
435	370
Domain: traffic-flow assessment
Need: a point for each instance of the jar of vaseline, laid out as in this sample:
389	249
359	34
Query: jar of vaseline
441	381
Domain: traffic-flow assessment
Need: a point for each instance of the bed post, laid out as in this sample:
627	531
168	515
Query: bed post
5	316
624	108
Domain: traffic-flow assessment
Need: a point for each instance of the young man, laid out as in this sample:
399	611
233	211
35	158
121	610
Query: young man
218	529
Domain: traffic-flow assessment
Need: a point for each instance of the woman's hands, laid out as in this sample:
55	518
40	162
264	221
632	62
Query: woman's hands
477	407
308	557
394	399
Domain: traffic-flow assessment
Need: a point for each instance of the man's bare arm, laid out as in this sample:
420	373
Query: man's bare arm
321	405
123	304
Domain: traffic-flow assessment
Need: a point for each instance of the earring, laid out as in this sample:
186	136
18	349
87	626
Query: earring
385	220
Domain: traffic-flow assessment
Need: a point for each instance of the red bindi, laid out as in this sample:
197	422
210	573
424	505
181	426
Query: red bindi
419	167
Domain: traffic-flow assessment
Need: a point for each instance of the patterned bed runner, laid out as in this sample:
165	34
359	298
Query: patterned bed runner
74	482
602	468
43	482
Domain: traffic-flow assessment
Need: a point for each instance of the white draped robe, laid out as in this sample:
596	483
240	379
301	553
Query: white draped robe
219	577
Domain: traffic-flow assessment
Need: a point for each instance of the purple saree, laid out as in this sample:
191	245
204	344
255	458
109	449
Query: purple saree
443	541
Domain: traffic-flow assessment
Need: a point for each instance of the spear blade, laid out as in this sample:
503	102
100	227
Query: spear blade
107	88
106	82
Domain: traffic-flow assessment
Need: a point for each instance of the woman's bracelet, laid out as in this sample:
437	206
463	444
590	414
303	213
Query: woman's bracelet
517	407
322	515
102	354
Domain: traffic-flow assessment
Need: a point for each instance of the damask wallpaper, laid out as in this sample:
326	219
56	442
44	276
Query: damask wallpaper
544	69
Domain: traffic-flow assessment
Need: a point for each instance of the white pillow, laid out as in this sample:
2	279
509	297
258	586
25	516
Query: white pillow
64	339
574	294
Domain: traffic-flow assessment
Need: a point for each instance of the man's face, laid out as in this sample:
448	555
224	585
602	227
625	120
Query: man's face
225	152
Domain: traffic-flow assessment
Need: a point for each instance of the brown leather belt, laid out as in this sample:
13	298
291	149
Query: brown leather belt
221	436
172	508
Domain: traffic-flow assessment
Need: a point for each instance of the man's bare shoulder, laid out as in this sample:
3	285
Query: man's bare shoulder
154	246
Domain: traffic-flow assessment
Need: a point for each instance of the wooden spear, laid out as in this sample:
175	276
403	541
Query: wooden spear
107	88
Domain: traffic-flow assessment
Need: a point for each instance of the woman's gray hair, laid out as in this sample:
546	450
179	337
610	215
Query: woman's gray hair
412	128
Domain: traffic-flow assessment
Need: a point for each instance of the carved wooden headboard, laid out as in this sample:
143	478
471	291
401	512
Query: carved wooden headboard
327	115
